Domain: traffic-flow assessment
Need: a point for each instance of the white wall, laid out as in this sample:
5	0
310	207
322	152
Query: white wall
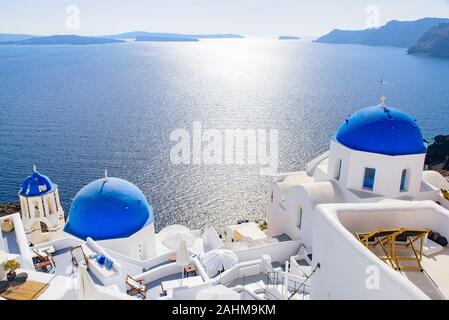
141	245
144	264
120	274
281	251
22	241
186	293
242	269
388	170
283	216
346	264
159	272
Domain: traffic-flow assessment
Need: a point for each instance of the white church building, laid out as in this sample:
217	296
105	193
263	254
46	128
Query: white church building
372	179
378	153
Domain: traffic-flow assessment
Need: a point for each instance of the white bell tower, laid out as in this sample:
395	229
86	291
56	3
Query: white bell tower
42	214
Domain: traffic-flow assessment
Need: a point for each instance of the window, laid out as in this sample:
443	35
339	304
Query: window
44	228
299	212
37	213
338	172
50	206
368	179
404	180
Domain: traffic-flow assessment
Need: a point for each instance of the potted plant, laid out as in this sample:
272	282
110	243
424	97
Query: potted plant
10	267
445	194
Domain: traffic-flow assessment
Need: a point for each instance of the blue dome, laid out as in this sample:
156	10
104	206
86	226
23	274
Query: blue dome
108	208
382	130
35	185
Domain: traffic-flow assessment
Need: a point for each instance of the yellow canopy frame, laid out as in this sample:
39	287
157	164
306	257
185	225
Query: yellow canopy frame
397	238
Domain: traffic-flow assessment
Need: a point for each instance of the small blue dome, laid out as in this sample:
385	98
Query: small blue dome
382	130
35	185
108	208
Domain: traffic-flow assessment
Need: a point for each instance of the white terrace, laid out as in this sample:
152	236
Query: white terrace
347	269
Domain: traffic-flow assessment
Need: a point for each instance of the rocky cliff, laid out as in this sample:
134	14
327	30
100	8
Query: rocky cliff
437	157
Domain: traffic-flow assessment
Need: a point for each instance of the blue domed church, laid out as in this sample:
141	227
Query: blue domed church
377	154
378	150
41	210
115	213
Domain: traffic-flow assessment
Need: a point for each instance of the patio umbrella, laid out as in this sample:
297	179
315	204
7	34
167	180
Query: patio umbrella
173	235
182	257
218	292
219	260
86	288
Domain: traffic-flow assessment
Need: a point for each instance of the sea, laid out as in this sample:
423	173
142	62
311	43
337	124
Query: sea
76	111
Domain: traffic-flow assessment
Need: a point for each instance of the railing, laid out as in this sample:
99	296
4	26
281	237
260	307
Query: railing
304	283
266	293
273	278
293	286
297	288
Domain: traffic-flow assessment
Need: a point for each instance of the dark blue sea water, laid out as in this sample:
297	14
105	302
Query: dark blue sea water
77	110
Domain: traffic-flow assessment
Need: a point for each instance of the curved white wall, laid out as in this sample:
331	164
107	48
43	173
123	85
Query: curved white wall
347	266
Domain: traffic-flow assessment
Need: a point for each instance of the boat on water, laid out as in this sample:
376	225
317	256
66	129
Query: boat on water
364	220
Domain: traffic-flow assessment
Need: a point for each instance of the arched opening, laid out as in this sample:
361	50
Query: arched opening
44	228
404	180
37	212
50	206
40	232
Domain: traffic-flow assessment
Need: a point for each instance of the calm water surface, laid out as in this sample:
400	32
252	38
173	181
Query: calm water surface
77	110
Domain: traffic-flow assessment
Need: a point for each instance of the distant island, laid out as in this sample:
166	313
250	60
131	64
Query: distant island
394	33
27	39
288	38
61	39
165	39
14	37
434	42
139	34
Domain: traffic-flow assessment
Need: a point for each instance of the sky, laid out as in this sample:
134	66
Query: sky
246	17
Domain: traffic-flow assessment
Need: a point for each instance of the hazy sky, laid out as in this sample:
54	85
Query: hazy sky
248	17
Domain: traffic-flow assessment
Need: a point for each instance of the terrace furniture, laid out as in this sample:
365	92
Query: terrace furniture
43	261
409	237
384	238
75	262
137	287
44	266
44	251
397	238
